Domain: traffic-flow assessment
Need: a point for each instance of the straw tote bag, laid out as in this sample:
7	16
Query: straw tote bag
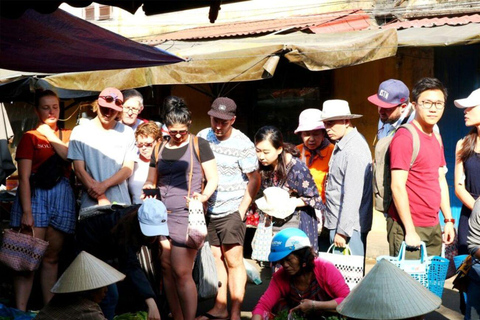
197	226
22	252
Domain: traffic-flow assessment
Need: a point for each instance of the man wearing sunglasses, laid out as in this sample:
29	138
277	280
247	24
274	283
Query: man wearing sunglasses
238	184
103	153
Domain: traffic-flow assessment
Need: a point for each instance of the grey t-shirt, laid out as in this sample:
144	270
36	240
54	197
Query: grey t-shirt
104	152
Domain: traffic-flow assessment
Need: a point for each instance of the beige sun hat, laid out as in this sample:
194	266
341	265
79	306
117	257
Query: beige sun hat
387	292
337	109
86	272
276	202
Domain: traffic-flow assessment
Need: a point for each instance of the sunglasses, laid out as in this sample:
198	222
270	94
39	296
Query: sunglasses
110	99
175	132
148	145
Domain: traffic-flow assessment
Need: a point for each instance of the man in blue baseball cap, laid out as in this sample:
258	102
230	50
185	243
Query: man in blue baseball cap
393	102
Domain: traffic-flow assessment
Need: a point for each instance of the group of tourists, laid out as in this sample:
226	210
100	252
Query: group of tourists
137	179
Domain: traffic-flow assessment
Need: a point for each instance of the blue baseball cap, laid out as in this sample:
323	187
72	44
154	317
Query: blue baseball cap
152	216
391	93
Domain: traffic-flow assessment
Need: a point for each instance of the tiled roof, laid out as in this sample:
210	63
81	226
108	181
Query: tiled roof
434	22
347	20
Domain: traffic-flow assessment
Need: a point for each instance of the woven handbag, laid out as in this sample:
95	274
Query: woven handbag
430	271
350	266
197	227
22	252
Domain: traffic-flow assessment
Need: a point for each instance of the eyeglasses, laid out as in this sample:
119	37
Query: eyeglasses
148	145
132	110
175	132
110	99
439	105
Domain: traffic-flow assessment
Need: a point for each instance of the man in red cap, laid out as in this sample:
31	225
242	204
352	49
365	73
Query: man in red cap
103	153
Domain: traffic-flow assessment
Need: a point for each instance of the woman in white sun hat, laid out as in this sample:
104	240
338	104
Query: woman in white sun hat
316	149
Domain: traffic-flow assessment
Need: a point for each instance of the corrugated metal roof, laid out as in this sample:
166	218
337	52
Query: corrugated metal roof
434	22
347	20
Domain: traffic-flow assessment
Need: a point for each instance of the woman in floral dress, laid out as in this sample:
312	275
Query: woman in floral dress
280	167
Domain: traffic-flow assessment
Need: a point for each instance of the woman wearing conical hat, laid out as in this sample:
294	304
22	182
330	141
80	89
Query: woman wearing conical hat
79	290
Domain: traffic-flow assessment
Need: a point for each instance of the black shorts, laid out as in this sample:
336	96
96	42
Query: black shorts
226	230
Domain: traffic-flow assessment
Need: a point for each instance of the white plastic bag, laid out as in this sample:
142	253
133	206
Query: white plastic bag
205	273
253	275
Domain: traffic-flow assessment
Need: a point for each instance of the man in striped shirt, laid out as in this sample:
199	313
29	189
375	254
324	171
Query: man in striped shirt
238	184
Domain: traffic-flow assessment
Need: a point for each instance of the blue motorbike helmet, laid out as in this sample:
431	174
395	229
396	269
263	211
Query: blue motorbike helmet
287	241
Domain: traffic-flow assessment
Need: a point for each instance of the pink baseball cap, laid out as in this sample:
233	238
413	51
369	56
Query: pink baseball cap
111	98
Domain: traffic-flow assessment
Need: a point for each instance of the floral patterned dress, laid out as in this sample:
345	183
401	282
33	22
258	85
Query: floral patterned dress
299	183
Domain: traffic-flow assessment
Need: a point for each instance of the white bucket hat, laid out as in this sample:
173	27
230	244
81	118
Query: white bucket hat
276	202
337	110
85	273
387	292
309	120
472	100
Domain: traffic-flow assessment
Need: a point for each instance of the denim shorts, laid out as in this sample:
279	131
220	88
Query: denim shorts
54	207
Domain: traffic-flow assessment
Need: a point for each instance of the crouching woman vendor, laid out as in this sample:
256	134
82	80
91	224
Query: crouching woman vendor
308	286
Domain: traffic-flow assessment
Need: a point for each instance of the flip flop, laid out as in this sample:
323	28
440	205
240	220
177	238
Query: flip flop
212	317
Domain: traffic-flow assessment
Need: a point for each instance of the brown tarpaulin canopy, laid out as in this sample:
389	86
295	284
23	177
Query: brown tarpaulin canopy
242	59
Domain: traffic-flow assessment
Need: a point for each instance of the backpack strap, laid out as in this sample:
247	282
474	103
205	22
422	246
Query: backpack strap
416	141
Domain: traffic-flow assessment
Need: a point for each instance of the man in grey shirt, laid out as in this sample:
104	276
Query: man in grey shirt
348	193
103	153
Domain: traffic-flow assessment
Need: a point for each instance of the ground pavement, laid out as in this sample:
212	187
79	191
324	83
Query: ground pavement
377	245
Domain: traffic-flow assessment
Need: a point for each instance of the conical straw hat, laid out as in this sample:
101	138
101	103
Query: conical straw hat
86	273
387	292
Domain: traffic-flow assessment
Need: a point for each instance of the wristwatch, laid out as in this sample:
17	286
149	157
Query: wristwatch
449	220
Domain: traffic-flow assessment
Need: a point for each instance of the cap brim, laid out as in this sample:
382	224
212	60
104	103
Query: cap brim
219	115
111	106
379	103
153	231
342	117
277	256
309	128
466	103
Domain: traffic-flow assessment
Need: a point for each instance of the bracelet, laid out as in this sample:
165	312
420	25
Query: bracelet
449	220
